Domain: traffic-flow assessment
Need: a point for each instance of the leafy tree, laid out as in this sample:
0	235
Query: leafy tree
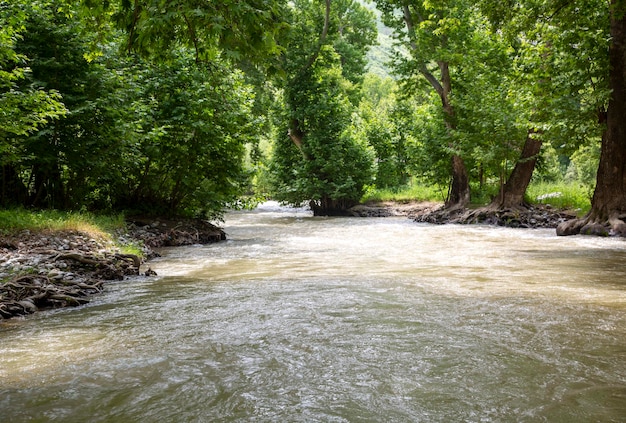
190	123
330	166
608	205
583	43
234	30
50	156
322	160
554	76
23	108
432	38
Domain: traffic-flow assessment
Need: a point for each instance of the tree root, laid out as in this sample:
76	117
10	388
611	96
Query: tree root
28	293
595	224
517	217
25	294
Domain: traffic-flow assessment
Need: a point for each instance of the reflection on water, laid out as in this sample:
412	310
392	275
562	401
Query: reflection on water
298	318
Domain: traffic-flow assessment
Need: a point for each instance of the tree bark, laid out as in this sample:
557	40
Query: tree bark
327	206
459	195
608	206
512	193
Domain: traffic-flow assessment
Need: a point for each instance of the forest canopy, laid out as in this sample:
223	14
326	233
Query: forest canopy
188	107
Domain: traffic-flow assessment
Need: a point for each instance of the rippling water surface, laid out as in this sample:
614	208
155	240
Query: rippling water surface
297	318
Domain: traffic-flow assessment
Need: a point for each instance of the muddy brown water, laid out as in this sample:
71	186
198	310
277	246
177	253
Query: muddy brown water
297	318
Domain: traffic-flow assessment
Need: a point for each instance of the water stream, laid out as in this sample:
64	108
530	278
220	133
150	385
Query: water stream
297	318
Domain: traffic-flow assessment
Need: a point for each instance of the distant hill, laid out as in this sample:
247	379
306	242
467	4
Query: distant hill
379	55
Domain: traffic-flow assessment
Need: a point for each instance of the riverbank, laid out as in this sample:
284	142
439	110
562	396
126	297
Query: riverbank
52	269
46	269
530	217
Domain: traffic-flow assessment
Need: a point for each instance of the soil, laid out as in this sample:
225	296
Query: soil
43	270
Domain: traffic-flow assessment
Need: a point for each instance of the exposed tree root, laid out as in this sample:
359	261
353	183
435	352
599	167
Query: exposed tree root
595	224
515	217
29	293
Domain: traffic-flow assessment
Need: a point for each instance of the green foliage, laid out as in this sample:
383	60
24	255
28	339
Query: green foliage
190	124
415	191
178	129
324	160
233	30
160	138
573	196
22	110
333	166
584	165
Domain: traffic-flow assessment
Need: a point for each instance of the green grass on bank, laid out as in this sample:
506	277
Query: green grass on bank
15	220
572	196
414	192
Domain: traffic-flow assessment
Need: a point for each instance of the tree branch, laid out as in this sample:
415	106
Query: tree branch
408	20
322	39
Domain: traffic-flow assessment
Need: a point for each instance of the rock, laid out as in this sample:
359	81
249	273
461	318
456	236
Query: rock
28	305
594	229
368	211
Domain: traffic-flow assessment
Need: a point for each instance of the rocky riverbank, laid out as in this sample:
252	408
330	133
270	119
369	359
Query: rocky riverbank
42	270
530	217
45	270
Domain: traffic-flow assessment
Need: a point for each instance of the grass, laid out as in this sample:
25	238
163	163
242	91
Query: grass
15	220
405	194
573	196
95	226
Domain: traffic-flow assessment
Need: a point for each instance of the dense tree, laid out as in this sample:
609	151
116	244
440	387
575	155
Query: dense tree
577	60
162	123
234	30
387	123
189	124
558	61
161	138
608	206
23	107
318	158
434	37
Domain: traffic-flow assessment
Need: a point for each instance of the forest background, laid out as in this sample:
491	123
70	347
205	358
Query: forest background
190	107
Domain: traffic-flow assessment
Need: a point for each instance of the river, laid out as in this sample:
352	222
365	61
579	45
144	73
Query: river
298	318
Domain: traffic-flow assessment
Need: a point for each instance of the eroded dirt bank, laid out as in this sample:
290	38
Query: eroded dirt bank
42	270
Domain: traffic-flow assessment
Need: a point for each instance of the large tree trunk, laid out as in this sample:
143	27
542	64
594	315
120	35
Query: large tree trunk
326	206
512	193
608	206
459	195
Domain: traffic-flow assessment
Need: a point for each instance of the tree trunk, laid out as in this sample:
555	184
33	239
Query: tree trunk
512	193
608	206
459	195
326	206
